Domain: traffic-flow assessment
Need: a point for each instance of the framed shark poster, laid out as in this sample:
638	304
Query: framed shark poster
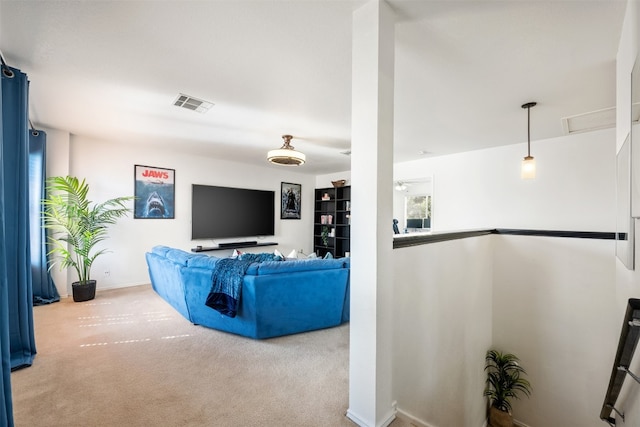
155	190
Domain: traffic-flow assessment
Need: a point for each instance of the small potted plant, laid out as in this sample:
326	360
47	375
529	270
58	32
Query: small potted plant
504	382
324	235
77	225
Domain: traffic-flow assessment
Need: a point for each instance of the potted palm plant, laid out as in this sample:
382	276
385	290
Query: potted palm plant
77	226
504	382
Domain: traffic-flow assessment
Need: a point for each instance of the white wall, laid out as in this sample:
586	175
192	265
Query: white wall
442	330
108	167
57	149
554	306
627	281
574	188
553	299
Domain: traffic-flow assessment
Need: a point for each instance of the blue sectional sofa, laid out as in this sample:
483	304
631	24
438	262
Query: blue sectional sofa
277	297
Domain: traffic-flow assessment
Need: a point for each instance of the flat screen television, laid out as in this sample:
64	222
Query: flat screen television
225	212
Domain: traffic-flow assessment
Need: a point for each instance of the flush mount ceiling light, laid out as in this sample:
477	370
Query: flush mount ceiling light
286	155
529	163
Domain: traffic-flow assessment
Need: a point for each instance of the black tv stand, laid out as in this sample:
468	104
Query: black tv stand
232	245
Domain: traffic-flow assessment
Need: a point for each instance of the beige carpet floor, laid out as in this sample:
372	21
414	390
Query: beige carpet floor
128	359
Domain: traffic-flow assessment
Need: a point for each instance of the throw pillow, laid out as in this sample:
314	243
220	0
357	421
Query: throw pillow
236	253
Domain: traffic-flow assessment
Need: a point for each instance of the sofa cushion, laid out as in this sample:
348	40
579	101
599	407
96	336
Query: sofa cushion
203	261
161	250
253	269
275	267
178	256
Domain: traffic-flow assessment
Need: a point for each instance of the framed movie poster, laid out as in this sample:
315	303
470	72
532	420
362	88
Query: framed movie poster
155	191
291	199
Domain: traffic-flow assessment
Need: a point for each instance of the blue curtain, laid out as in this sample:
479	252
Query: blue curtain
44	290
6	406
15	257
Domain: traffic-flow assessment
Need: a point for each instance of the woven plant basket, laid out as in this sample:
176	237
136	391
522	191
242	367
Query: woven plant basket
498	418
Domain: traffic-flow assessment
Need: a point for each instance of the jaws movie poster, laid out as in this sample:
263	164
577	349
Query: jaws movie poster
155	192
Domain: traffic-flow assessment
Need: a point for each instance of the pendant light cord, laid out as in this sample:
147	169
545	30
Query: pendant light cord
528	106
529	131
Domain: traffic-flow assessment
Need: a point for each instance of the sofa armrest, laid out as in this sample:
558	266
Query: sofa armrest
166	281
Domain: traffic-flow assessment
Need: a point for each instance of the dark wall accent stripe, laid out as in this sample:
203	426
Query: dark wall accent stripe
561	233
424	239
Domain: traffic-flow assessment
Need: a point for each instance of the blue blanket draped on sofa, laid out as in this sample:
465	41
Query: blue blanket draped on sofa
227	282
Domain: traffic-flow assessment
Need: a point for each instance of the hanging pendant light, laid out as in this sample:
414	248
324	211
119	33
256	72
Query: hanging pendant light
529	163
286	155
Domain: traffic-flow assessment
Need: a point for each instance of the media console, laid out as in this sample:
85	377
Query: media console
232	245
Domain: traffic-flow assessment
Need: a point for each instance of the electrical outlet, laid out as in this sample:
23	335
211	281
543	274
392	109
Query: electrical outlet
107	273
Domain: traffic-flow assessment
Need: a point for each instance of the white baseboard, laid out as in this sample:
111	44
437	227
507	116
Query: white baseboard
388	420
413	421
107	288
356	419
121	286
384	423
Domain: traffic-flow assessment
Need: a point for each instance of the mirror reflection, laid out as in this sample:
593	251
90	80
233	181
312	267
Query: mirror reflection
635	140
635	94
413	205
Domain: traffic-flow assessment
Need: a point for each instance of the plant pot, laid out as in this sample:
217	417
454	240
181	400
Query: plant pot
498	418
84	291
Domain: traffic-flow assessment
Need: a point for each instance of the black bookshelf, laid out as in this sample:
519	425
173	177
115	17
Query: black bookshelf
332	221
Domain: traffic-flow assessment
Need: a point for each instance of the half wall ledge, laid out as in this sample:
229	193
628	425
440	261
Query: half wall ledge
404	241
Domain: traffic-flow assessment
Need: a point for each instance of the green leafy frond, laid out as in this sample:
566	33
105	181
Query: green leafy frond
504	379
76	224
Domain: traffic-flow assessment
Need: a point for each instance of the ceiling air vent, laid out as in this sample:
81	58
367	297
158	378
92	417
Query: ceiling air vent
586	122
191	103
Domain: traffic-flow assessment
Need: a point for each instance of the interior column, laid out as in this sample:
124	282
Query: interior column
370	398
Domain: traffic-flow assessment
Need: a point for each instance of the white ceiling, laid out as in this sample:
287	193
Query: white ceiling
112	69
